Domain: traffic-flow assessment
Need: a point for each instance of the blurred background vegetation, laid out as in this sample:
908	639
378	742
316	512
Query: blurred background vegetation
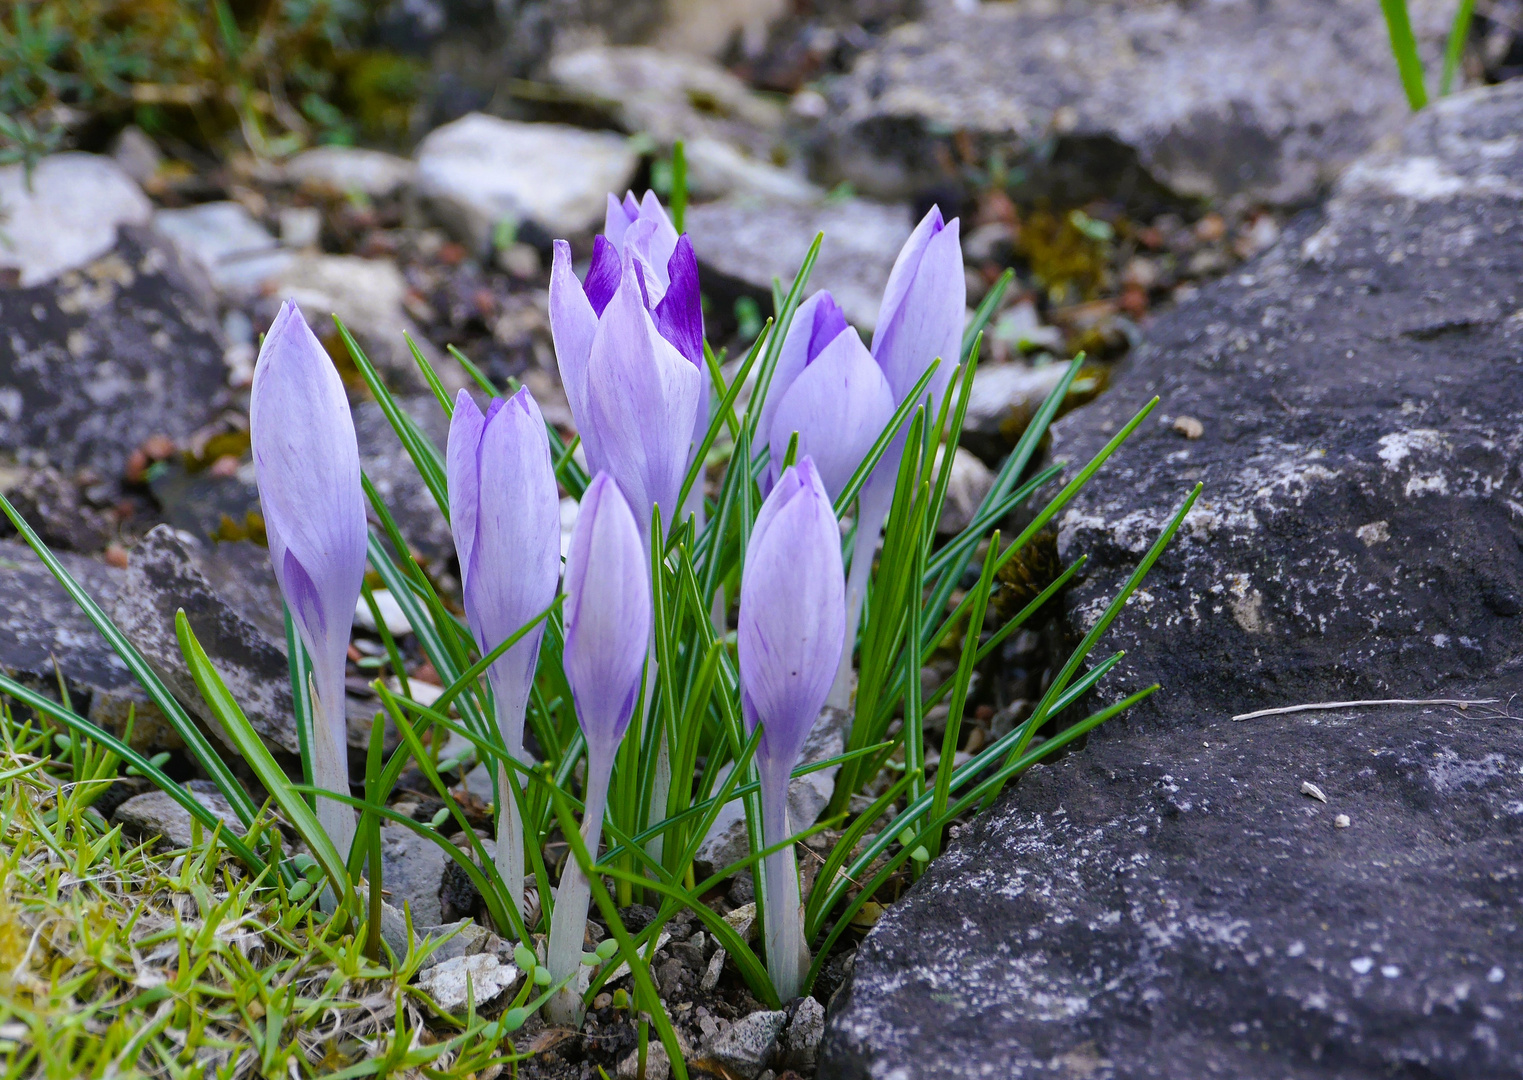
271	75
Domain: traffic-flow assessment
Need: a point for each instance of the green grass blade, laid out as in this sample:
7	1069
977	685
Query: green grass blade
301	705
1454	50
259	759
1404	48
425	455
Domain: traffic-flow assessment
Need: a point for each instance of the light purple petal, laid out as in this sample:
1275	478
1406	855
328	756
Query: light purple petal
795	352
307	467
663	238
462	474
905	265
607	613
839	406
619	217
927	322
792	613
516	560
643	400
573	324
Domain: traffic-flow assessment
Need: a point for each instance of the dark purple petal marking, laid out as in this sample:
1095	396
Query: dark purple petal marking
829	321
304	598
679	316
603	276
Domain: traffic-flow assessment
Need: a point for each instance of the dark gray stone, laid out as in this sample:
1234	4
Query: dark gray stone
1171	905
40	624
53	505
227	593
156	814
1131	100
412	870
98	360
1170	901
1360	388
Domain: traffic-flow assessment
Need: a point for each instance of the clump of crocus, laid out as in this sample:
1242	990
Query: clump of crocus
792	628
505	517
307	466
920	320
608	622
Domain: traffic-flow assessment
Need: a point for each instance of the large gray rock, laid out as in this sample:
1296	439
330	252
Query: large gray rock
480	171
1177	899
41	625
228	596
45	233
744	241
1359	394
1130	100
1172	905
103	357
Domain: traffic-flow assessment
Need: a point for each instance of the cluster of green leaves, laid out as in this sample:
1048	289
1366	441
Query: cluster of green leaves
276	71
918	602
1409	64
119	959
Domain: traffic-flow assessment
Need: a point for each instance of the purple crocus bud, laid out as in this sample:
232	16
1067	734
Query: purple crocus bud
641	397
924	307
307	467
829	389
791	633
505	516
667	272
608	623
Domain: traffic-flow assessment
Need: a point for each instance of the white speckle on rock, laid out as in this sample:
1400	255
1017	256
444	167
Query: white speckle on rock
1361	965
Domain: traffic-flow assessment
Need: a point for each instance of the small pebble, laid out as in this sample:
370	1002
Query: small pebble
1189	427
602	1001
1341	822
1308	788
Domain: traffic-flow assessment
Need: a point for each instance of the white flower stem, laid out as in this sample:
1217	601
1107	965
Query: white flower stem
568	925
510	829
661	783
787	955
330	771
870	518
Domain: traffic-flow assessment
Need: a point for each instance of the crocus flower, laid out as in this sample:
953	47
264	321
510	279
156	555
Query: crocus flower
639	245
307	466
791	633
829	389
923	309
920	321
505	517
608	622
634	396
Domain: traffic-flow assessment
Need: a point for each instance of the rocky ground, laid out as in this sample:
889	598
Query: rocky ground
1341	375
